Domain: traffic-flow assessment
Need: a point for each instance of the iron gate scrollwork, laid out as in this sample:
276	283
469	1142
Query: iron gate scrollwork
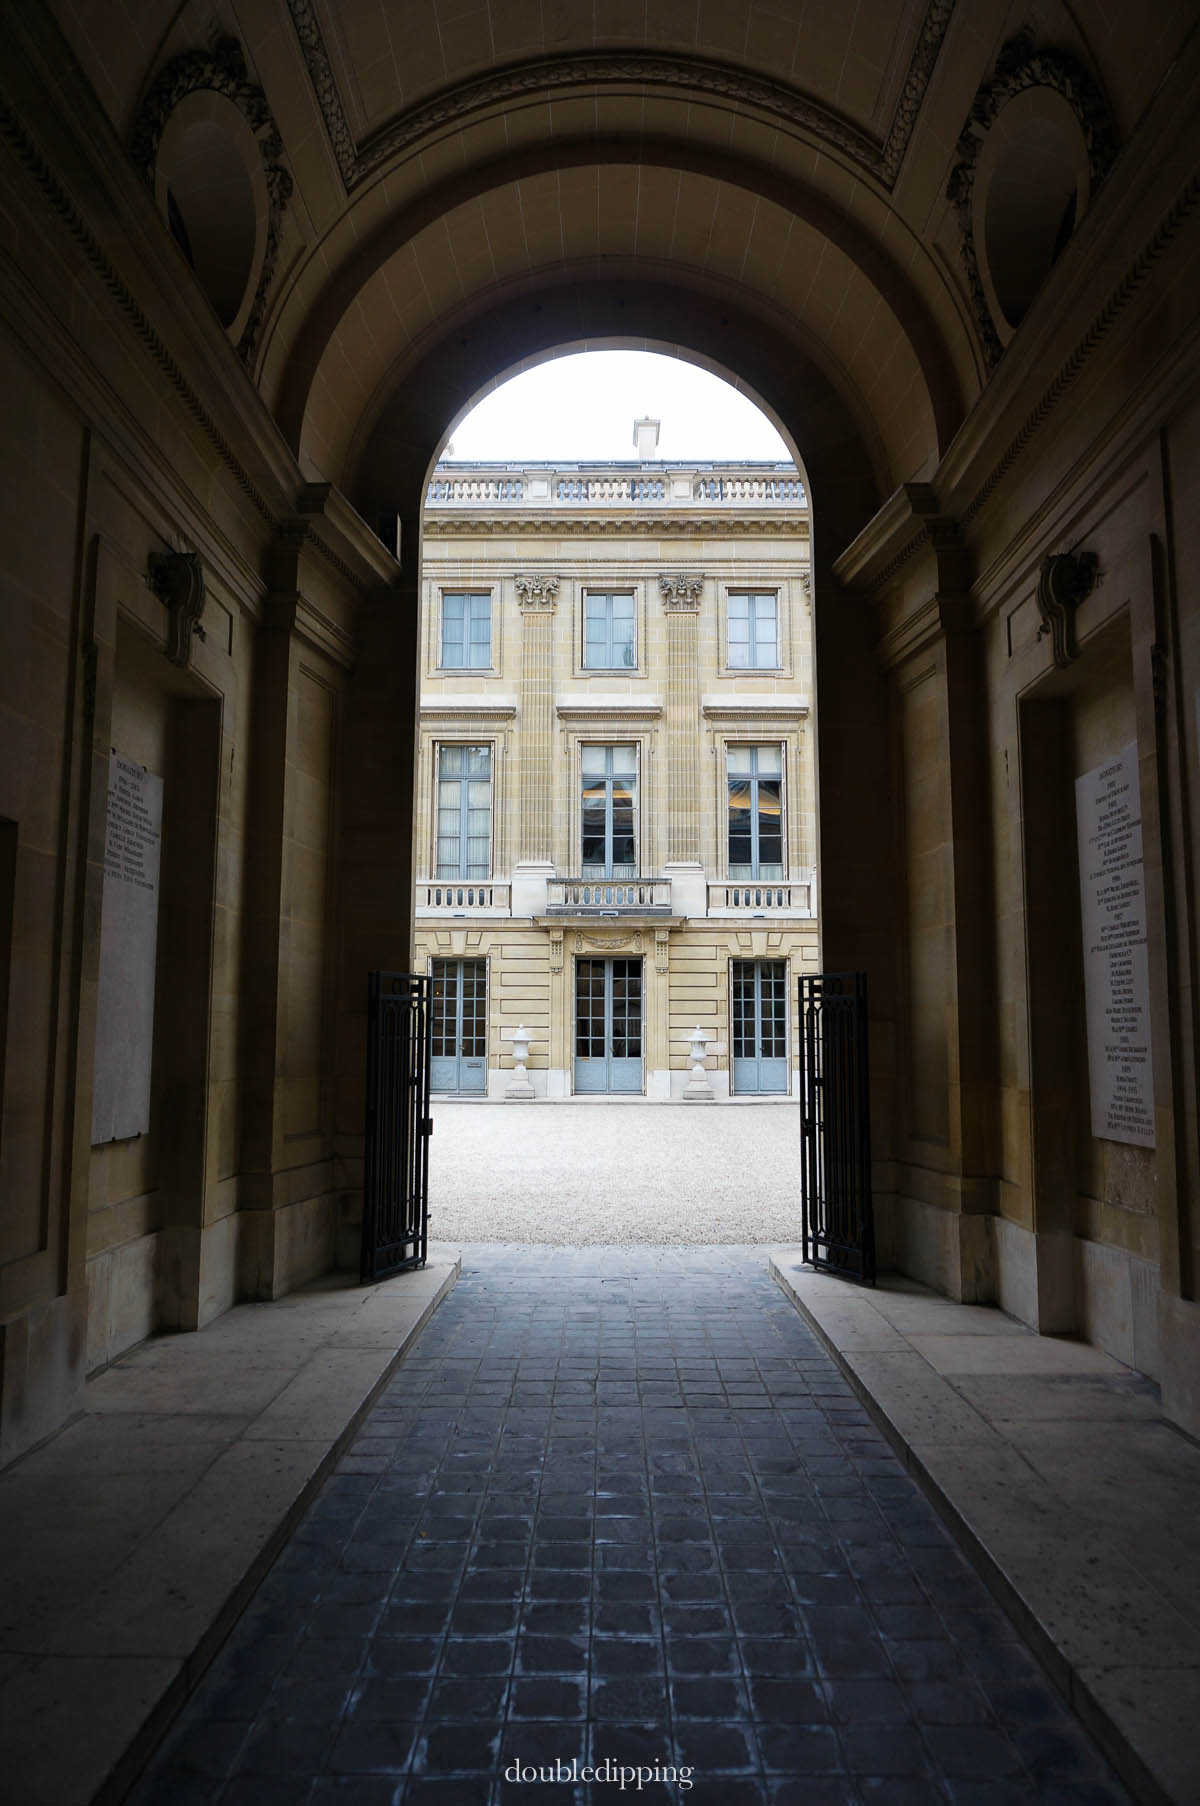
398	1124
835	1125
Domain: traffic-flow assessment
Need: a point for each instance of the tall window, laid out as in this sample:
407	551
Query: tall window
466	632
755	811
753	632
608	812
464	812
608	632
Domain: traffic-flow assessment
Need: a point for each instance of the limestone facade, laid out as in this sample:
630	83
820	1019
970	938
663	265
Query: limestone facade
951	249
655	619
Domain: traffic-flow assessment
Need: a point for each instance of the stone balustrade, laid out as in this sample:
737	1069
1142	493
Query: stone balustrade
456	897
769	897
471	491
608	895
676	486
762	897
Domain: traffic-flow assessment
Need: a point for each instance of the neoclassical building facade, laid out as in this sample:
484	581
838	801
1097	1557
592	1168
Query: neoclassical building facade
615	822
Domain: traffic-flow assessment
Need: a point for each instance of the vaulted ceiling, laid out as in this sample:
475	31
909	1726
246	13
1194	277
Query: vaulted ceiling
780	165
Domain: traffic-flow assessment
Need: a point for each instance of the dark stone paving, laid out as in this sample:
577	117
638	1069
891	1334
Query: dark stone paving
618	1507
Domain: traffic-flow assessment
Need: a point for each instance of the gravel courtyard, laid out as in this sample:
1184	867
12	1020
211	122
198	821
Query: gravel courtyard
577	1174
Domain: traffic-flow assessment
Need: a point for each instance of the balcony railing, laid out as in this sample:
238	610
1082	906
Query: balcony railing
468	490
454	897
750	489
608	896
762	897
616	896
677	486
610	489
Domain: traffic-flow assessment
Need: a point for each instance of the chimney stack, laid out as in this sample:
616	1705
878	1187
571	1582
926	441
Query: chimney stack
645	438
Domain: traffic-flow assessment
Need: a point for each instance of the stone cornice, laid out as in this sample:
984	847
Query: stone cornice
467	708
466	522
936	617
617	931
910	523
753	710
603	708
787	108
299	614
326	527
343	539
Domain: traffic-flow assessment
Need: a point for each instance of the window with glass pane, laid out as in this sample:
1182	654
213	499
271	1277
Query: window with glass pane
755	811
608	632
464	812
608	812
466	632
753	632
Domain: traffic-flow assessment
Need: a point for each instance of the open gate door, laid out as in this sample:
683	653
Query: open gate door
835	1125
398	1124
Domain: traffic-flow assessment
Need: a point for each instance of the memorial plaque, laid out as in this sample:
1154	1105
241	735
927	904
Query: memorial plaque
128	947
1116	972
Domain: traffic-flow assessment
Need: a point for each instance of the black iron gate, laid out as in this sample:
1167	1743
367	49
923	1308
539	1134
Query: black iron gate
398	1124
835	1125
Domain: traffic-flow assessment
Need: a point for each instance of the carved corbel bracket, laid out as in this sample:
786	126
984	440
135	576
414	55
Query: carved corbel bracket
177	579
1064	580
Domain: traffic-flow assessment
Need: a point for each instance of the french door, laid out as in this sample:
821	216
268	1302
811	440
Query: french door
608	1025
760	1025
459	1001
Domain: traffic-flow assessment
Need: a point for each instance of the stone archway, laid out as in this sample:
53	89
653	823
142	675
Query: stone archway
843	469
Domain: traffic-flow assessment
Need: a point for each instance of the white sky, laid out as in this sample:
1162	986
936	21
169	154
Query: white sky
584	405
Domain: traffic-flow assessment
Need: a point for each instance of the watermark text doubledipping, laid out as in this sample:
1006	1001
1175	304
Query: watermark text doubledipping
610	1773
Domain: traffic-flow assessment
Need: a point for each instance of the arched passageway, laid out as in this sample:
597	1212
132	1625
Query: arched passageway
835	223
392	475
952	247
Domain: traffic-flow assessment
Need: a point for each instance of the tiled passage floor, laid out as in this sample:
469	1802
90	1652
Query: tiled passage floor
618	1506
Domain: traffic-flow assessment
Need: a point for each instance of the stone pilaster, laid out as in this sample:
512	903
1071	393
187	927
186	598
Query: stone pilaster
657	1014
681	604
537	599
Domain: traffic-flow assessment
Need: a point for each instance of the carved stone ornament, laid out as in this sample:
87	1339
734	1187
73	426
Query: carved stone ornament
608	943
1064	580
177	579
222	68
1020	66
681	592
536	592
